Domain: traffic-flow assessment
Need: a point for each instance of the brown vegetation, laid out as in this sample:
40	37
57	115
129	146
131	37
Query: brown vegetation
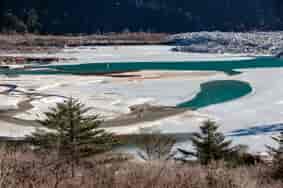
36	43
31	43
75	153
156	147
22	168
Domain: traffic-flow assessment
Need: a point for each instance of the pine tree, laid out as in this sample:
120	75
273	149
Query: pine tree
12	23
72	132
32	21
277	154
209	145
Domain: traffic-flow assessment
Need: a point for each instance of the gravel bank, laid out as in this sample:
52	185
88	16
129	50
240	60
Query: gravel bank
253	43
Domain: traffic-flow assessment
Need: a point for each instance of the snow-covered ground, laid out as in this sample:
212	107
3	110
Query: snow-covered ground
250	120
9	102
110	97
132	54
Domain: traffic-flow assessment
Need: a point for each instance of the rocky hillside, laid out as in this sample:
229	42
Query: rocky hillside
254	43
94	16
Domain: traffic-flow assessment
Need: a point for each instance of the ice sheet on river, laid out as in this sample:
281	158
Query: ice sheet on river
249	120
132	54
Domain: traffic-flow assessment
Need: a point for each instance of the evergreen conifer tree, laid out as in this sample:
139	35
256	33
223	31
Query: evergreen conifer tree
72	132
209	145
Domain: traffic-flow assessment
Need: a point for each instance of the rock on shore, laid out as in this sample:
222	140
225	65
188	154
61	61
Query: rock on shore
254	43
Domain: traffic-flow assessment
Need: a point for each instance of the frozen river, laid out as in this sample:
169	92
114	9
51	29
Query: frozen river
249	118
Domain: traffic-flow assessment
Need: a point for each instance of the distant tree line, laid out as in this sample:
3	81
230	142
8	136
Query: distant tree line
93	16
28	23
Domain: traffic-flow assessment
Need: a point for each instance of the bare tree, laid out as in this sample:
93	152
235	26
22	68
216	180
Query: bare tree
155	146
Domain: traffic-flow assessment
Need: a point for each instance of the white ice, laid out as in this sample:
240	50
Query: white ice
131	54
250	120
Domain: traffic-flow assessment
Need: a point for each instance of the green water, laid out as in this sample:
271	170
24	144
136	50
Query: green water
218	91
225	66
211	92
92	68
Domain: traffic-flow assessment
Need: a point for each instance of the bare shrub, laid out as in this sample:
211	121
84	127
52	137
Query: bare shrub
155	147
20	169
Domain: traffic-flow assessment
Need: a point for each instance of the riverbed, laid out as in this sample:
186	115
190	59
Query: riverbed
156	76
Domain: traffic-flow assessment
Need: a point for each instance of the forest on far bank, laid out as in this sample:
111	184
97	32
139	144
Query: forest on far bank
170	16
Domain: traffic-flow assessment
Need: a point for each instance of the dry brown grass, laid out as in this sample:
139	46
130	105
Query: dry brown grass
31	42
25	169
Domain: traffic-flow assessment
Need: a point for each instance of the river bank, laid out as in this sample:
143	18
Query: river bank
29	43
26	48
51	44
45	48
252	43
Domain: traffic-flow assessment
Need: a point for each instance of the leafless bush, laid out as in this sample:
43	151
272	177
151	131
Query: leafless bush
155	147
20	169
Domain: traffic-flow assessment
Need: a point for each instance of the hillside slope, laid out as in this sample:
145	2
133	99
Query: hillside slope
90	16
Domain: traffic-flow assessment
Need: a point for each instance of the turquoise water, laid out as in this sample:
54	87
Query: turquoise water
92	68
211	92
225	66
216	92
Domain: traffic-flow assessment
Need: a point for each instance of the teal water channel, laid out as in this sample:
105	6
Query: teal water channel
213	92
229	67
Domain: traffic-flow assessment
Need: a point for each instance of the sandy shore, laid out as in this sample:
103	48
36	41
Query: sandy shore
143	113
140	76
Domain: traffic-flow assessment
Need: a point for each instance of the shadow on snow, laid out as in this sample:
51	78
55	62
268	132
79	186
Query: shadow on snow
257	130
